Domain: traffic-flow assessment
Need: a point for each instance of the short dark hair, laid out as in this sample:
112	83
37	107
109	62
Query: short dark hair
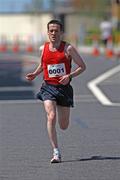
54	21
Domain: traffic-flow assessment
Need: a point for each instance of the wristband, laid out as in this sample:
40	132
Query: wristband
70	77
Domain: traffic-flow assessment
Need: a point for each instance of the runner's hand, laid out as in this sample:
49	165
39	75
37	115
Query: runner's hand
64	79
30	76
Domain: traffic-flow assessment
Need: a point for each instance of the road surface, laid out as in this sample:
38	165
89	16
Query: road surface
90	147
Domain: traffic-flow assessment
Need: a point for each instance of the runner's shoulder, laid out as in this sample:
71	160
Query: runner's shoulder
68	48
41	48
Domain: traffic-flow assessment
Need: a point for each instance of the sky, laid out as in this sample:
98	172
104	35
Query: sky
12	5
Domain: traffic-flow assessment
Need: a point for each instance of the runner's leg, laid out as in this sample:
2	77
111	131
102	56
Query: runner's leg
50	108
63	116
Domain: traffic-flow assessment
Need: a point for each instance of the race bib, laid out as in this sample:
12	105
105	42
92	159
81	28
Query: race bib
56	70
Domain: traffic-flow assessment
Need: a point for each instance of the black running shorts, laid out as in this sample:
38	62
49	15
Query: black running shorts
62	94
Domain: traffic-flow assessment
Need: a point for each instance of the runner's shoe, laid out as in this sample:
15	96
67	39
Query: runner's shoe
56	158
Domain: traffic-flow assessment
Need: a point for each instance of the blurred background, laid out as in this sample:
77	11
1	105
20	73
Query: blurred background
24	22
92	26
91	146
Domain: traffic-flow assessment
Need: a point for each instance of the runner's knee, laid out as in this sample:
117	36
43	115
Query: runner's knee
63	127
51	117
64	124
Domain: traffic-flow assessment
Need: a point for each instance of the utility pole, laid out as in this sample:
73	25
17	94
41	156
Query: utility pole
116	12
58	14
61	9
61	17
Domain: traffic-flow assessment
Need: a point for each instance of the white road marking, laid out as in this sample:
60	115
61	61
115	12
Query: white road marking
92	85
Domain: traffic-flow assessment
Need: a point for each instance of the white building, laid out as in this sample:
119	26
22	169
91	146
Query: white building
33	27
23	26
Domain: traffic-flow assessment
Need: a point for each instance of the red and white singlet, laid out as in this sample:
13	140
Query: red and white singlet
55	64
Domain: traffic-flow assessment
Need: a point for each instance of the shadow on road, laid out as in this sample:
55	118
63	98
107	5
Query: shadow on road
95	158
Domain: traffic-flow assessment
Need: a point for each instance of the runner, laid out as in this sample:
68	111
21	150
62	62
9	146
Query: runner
106	31
56	91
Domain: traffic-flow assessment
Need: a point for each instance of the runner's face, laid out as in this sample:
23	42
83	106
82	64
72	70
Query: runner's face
54	33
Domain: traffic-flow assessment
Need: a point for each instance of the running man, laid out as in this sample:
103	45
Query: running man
106	31
56	91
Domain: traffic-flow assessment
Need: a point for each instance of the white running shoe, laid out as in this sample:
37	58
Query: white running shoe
56	158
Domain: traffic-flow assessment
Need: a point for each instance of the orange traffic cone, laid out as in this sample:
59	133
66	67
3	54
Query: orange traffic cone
16	47
3	44
95	50
109	52
3	48
29	47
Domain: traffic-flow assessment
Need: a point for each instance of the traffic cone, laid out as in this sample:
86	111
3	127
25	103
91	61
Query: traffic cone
109	51
3	48
3	44
95	50
16	46
29	47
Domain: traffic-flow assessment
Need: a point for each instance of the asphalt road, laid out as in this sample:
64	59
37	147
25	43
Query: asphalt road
90	147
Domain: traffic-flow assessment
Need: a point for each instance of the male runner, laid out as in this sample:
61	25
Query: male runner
56	91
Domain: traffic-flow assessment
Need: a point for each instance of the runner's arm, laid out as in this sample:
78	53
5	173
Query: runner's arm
77	60
72	52
38	70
